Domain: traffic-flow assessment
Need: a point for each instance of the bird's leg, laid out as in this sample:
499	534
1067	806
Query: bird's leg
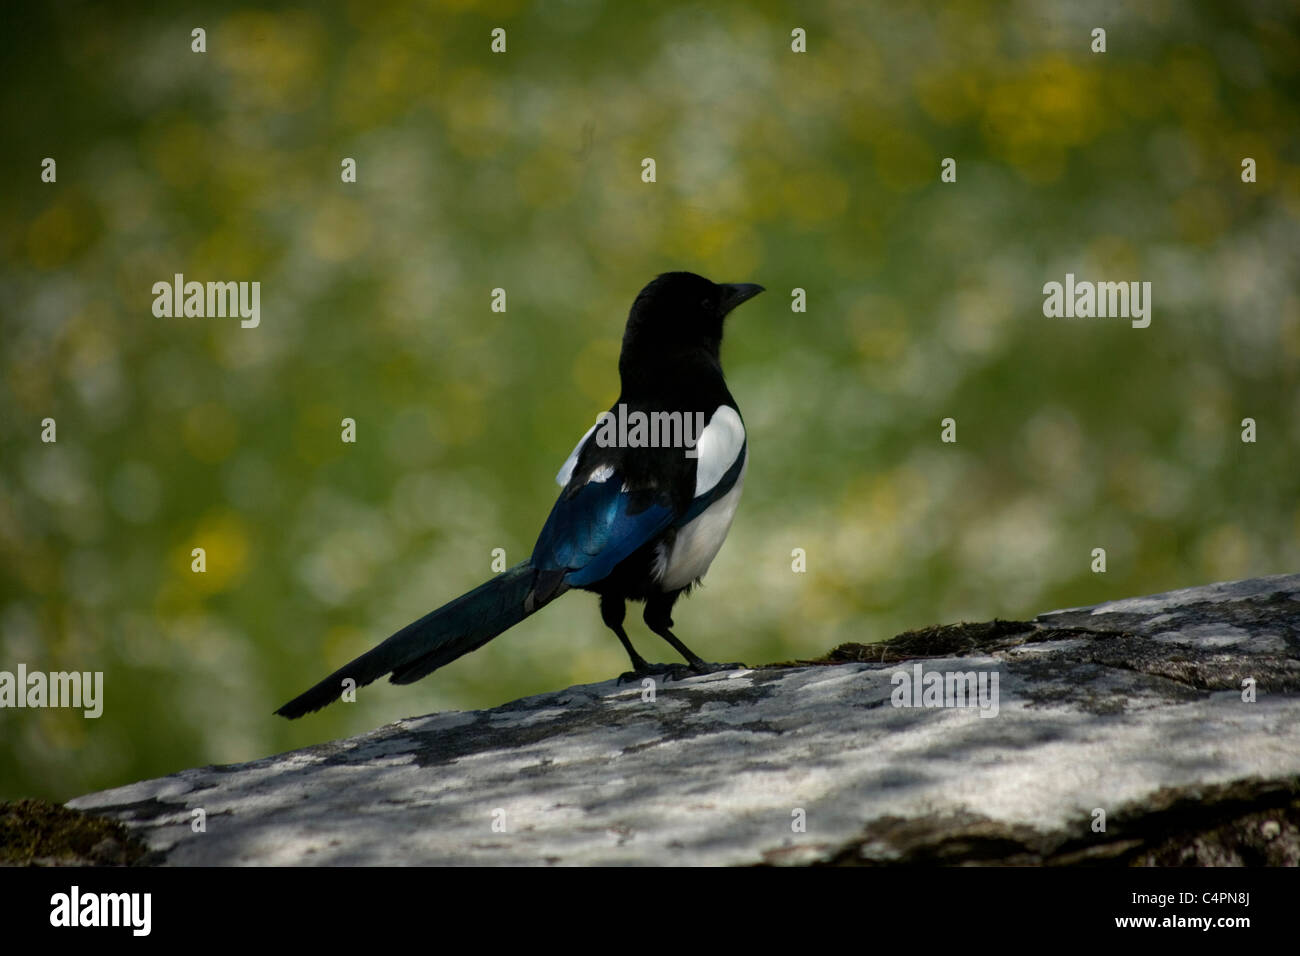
612	610
658	617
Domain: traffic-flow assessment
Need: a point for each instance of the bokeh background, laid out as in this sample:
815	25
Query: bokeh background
522	171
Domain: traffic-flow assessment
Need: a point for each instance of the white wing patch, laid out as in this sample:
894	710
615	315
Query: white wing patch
698	543
566	470
601	474
718	447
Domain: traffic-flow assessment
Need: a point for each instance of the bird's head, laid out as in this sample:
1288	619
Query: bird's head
681	312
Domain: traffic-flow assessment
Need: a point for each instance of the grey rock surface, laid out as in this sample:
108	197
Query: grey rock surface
1134	707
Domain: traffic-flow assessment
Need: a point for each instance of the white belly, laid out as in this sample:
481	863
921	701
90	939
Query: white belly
698	543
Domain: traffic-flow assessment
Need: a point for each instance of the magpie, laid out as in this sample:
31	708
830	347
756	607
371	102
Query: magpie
636	520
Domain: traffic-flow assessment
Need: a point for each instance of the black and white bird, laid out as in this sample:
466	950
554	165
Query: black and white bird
634	521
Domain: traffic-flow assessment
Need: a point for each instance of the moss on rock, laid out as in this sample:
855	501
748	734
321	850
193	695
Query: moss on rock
38	833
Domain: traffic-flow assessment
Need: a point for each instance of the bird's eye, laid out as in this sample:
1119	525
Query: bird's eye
706	304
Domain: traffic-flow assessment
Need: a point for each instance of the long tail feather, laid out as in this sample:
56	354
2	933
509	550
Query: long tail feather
436	639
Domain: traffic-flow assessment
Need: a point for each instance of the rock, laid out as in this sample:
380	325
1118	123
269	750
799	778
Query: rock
1174	715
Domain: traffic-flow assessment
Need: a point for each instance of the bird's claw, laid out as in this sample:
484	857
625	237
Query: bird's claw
647	670
678	671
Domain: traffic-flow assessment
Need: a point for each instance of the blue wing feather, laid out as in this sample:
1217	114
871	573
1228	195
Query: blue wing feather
589	533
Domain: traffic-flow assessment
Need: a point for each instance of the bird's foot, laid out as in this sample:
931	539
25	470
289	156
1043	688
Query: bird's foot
678	671
644	670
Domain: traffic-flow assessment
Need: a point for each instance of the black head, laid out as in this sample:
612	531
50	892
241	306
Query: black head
680	312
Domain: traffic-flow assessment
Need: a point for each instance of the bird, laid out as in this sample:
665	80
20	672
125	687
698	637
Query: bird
636	520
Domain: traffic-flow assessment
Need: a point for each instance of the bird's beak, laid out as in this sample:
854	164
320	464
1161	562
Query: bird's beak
735	293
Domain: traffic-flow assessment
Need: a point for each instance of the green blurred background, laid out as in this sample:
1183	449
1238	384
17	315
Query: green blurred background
522	171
